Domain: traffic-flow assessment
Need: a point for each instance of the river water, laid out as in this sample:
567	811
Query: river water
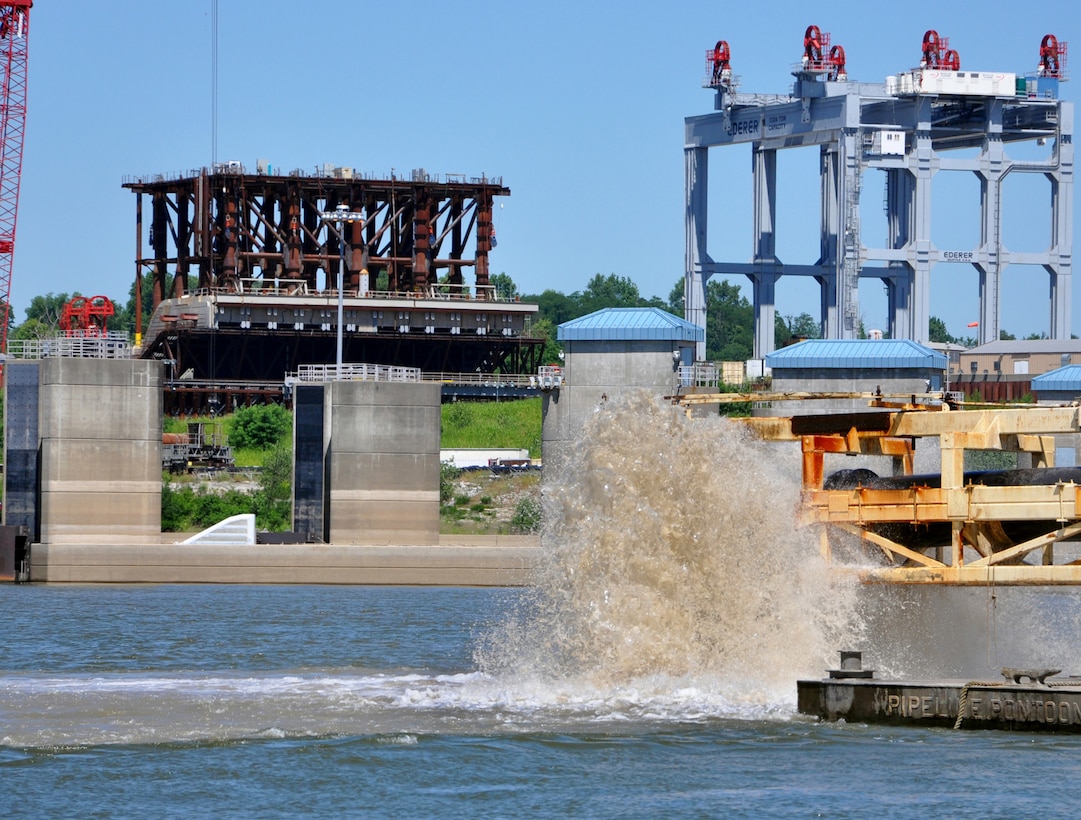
649	671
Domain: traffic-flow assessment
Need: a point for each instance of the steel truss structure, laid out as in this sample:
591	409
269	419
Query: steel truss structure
905	128
223	225
14	45
945	529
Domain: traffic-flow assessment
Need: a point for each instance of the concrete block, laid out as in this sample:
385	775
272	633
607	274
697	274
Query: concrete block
385	471
398	394
384	518
136	373
100	411
100	460
379	429
119	514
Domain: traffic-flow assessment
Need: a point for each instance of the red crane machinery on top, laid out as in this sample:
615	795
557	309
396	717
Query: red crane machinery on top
719	63
938	54
14	35
86	316
820	58
816	46
836	60
1052	58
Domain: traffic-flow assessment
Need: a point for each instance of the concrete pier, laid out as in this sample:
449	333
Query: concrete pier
367	466
84	446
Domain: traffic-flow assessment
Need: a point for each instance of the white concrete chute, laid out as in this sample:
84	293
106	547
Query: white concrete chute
236	530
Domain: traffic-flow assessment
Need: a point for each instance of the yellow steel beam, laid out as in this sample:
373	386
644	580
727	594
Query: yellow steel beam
925	505
989	423
969	575
1024	548
892	546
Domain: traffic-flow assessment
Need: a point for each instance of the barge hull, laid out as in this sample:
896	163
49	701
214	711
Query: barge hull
1055	706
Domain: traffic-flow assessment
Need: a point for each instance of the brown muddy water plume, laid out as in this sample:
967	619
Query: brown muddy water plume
671	551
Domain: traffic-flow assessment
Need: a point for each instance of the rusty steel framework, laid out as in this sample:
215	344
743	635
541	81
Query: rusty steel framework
224	225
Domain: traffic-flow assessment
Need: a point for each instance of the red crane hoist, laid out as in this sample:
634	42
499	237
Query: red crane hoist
816	50
938	54
720	61
86	316
14	35
838	71
1052	57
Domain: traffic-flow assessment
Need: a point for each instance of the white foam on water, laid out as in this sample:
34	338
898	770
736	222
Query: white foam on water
138	708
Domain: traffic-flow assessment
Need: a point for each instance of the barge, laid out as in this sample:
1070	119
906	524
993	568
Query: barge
1036	700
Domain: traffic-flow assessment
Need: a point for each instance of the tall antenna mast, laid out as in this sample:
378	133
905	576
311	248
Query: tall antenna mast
213	83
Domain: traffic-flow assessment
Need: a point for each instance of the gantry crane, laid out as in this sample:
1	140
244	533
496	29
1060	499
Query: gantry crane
14	35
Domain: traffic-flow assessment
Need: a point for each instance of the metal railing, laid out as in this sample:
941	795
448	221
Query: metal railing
110	346
482	379
353	372
319	172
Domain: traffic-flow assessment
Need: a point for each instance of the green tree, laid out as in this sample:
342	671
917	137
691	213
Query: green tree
260	426
791	328
33	329
545	329
554	306
676	299
505	289
937	332
606	291
804	326
42	317
729	320
729	323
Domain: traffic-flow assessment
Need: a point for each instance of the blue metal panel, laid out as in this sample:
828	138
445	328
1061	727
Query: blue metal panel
630	324
856	353
1064	378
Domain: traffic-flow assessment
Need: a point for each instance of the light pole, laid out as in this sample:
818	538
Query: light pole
342	216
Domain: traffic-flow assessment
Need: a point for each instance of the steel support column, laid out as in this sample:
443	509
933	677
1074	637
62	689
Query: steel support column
764	280
993	167
696	186
900	218
829	185
1061	266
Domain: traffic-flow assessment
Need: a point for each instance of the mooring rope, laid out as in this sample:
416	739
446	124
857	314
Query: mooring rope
962	701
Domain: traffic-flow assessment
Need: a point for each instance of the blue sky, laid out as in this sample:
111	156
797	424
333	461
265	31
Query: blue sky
579	106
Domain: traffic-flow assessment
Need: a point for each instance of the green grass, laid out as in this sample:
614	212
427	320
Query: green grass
504	424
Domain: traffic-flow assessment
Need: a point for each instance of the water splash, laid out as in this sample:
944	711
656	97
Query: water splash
671	555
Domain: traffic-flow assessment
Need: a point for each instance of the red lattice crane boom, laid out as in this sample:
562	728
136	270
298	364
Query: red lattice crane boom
14	34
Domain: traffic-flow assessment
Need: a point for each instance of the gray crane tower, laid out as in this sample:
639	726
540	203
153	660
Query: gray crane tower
906	127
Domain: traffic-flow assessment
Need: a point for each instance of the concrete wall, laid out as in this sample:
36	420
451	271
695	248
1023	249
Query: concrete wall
597	371
383	472
100	432
482	562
